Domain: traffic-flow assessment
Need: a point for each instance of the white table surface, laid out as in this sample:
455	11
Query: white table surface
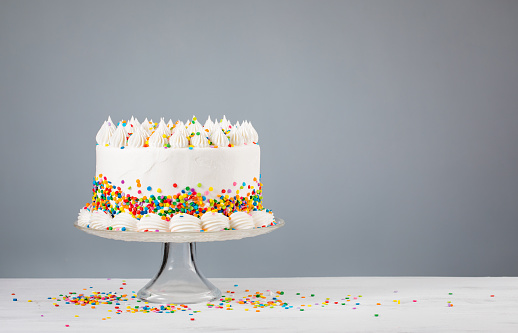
473	308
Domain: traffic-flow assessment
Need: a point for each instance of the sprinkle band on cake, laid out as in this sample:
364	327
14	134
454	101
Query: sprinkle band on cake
176	178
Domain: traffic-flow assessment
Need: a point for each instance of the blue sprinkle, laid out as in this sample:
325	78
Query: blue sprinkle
123	228
15	299
149	188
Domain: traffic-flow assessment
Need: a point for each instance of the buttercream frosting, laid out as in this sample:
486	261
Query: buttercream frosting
137	139
179	140
212	221
241	220
262	218
218	138
83	218
185	223
124	221
99	220
118	139
151	223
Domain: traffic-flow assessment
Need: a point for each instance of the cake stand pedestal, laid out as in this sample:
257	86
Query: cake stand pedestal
178	280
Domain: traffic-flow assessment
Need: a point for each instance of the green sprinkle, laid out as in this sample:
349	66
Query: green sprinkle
451	293
110	228
197	133
298	293
199	184
312	295
376	315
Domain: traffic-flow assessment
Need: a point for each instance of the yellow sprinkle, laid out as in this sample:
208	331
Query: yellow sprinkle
211	189
159	190
29	301
76	316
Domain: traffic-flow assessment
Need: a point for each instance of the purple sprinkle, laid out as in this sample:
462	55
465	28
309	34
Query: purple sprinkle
122	181
229	191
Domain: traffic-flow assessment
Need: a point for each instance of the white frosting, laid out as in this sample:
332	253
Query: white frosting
241	220
199	141
181	130
219	168
83	217
218	138
152	222
185	223
236	138
212	221
133	125
194	128
105	133
245	132
158	139
225	124
170	126
147	127
124	220
255	136
118	139
208	127
137	139
179	140
100	220
262	218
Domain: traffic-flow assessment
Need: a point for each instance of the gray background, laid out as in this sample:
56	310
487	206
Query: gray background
388	129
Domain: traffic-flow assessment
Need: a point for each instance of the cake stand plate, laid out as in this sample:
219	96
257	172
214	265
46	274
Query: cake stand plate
178	280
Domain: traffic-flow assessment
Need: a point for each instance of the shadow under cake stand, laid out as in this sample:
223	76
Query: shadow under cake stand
178	280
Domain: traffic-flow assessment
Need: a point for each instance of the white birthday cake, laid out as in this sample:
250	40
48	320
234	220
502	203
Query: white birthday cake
176	177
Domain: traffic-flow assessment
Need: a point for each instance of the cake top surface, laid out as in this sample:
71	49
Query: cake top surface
162	134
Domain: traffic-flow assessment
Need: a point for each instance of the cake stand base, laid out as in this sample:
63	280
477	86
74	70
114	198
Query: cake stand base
179	280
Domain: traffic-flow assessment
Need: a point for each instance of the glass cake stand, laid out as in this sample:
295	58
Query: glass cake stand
178	280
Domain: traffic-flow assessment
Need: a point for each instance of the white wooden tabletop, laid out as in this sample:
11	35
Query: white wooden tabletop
338	304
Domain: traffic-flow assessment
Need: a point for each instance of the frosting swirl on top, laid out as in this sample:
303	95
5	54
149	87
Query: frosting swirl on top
158	139
149	134
185	223
105	133
241	220
137	139
118	139
152	222
212	221
179	140
199	141
218	138
236	138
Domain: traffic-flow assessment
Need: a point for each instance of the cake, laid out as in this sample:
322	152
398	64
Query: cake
176	177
